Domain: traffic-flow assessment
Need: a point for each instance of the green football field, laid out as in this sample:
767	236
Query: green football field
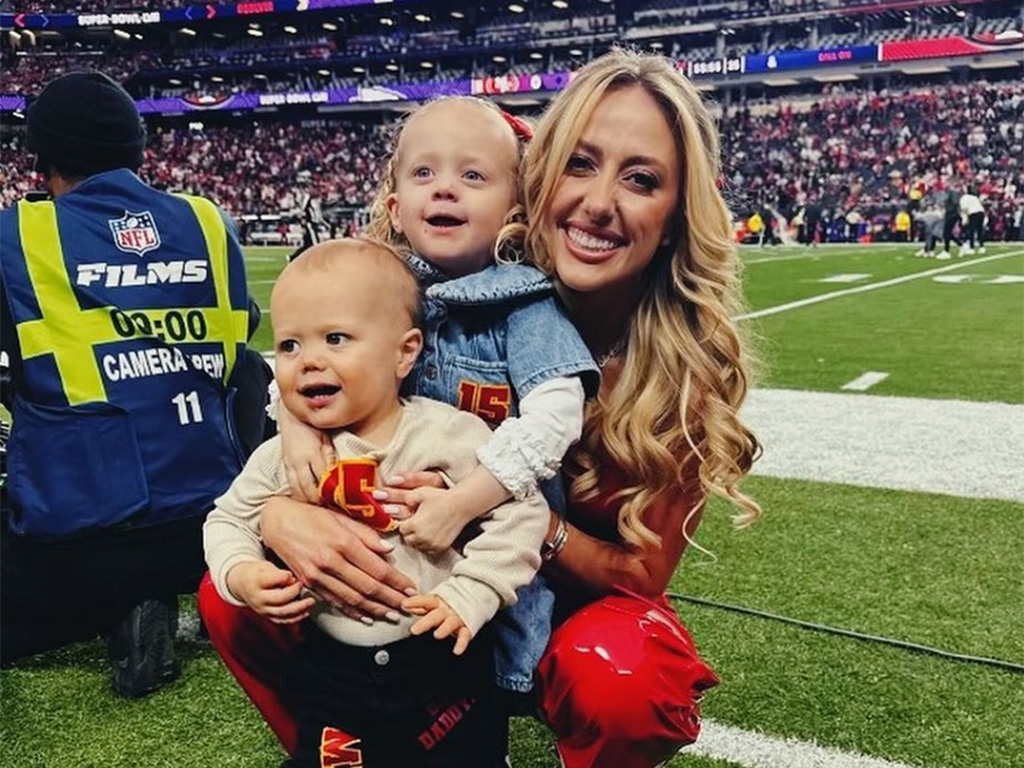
935	569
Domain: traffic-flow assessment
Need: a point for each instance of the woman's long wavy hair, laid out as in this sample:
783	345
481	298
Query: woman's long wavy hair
508	243
685	372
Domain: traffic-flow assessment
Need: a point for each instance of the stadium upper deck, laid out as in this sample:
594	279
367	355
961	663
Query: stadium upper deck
416	42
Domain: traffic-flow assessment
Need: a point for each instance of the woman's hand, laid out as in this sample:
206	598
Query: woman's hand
338	559
307	453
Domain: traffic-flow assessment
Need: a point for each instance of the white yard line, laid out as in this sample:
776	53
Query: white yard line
871	286
803	253
865	381
756	750
955	447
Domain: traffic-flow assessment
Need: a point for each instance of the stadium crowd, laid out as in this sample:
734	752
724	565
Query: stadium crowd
877	153
869	154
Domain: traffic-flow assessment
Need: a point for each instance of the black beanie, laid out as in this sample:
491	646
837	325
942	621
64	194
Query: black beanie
84	122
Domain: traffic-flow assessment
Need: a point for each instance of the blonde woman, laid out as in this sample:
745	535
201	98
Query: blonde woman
624	211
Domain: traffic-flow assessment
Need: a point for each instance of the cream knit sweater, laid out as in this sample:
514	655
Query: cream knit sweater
503	555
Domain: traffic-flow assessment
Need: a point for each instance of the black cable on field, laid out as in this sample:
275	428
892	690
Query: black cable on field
998	663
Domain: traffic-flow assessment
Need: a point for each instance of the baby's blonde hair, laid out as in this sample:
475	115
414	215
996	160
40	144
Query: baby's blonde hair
686	371
397	279
508	241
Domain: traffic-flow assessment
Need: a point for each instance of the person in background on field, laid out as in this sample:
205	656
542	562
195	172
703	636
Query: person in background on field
951	211
378	688
932	221
755	225
972	215
853	225
812	222
624	211
124	312
901	227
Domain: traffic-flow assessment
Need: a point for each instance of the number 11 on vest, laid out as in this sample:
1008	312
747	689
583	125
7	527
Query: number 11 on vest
189	410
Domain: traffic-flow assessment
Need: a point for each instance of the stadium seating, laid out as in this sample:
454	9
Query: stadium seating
838	144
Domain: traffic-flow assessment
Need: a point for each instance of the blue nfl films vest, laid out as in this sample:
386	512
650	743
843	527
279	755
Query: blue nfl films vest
130	307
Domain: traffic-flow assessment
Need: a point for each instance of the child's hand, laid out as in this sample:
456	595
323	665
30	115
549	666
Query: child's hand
270	591
435	612
436	522
307	452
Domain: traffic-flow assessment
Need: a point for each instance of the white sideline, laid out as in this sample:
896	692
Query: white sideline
755	750
954	447
871	286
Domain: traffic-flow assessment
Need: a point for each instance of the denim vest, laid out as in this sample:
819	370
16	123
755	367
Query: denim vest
471	324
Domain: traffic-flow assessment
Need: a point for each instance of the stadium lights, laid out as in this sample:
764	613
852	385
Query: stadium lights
422	17
260	76
174	81
536	55
560	4
458	15
427	64
291	30
575	52
255	32
516	8
391	67
657	45
217	79
324	72
188	31
254	25
498	59
122	35
137	35
15	36
330	27
387	21
961	13
359	70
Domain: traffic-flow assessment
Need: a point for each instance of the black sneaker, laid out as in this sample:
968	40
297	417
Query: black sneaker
141	649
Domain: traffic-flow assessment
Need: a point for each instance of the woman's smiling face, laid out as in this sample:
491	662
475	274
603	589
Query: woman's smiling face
613	205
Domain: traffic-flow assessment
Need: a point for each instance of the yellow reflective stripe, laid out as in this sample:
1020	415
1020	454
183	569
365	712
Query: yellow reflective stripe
64	326
224	323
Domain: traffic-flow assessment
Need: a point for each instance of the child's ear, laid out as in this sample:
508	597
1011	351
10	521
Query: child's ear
408	350
392	205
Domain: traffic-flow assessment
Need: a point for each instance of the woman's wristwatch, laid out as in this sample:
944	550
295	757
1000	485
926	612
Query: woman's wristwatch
551	547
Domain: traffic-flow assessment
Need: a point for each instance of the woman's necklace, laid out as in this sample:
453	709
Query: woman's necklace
616	349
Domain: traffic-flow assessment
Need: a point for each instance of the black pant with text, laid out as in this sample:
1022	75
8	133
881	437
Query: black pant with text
410	703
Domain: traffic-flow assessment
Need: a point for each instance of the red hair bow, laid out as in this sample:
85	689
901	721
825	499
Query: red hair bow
520	127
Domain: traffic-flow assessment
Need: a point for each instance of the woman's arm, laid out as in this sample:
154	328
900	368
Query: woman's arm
339	559
596	566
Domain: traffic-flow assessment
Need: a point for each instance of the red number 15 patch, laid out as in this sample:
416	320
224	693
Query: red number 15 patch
488	401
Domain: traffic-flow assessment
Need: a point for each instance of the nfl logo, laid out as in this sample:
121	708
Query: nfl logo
135	232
